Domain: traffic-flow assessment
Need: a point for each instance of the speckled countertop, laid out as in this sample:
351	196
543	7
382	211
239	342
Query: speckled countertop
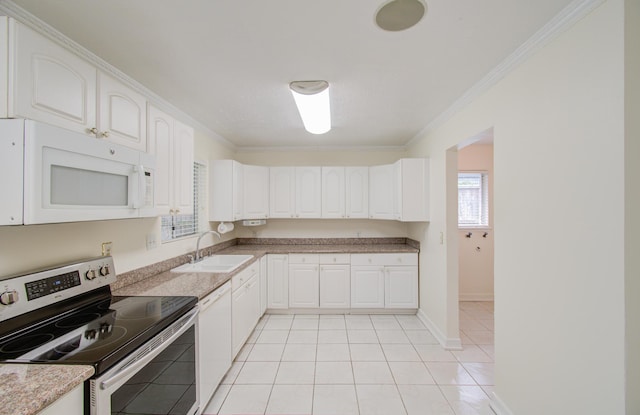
202	284
26	389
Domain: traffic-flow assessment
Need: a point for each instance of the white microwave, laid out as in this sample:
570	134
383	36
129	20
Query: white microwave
52	175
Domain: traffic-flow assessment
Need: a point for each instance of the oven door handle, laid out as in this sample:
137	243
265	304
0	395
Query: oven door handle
150	355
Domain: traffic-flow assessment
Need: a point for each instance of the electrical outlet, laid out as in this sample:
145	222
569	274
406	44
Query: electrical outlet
152	241
106	248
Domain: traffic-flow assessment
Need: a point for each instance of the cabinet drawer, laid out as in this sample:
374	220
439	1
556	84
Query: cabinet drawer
384	259
326	259
242	277
303	258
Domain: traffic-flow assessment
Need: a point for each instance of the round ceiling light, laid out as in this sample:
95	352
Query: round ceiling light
398	15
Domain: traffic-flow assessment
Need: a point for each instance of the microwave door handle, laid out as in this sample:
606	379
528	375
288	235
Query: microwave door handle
137	365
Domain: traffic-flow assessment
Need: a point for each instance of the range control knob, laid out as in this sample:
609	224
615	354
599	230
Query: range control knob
104	270
91	274
9	297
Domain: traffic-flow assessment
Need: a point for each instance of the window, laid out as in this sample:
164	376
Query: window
178	226
473	199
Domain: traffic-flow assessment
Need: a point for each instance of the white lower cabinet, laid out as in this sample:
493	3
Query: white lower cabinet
335	286
335	281
367	287
214	341
401	287
384	281
304	281
245	307
72	403
277	281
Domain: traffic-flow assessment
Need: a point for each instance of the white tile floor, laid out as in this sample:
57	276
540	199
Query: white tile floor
360	364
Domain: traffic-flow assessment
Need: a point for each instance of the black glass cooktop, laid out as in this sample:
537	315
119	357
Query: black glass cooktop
99	334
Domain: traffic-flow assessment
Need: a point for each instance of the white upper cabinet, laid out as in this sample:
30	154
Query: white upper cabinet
122	113
225	195
282	184
172	144
400	191
50	83
308	192
357	192
333	192
412	190
53	85
4	66
255	191
381	192
238	191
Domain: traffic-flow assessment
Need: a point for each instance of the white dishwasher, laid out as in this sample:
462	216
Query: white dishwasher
214	341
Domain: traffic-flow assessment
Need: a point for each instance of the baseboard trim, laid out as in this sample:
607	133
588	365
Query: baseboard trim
449	343
475	297
498	406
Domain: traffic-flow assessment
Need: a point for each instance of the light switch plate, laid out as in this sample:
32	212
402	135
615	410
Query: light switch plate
152	241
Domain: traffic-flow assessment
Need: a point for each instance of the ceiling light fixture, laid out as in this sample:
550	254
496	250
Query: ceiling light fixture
312	100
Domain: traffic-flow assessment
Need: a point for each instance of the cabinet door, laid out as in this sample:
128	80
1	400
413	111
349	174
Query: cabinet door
278	281
263	285
335	286
4	67
357	192
381	192
401	287
282	192
122	113
183	171
256	192
214	340
308	192
50	83
333	192
240	317
160	143
367	287
303	286
221	184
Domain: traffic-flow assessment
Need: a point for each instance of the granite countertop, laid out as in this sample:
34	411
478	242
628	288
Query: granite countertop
202	284
27	389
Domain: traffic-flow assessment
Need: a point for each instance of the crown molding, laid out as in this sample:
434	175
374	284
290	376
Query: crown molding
567	17
10	9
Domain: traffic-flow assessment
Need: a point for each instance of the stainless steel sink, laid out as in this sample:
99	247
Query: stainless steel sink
215	263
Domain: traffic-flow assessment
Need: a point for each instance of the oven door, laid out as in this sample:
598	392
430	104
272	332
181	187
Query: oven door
157	378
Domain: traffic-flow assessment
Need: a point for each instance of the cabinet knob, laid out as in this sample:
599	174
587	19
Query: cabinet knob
93	131
104	134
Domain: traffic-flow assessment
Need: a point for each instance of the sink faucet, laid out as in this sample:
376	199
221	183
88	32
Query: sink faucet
198	243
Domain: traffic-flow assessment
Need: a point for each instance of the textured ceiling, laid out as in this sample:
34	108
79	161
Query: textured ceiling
228	63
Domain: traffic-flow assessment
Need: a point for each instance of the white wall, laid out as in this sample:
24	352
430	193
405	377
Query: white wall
632	205
475	266
23	248
559	172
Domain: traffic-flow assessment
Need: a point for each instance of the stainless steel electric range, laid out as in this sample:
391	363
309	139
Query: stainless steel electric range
142	348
